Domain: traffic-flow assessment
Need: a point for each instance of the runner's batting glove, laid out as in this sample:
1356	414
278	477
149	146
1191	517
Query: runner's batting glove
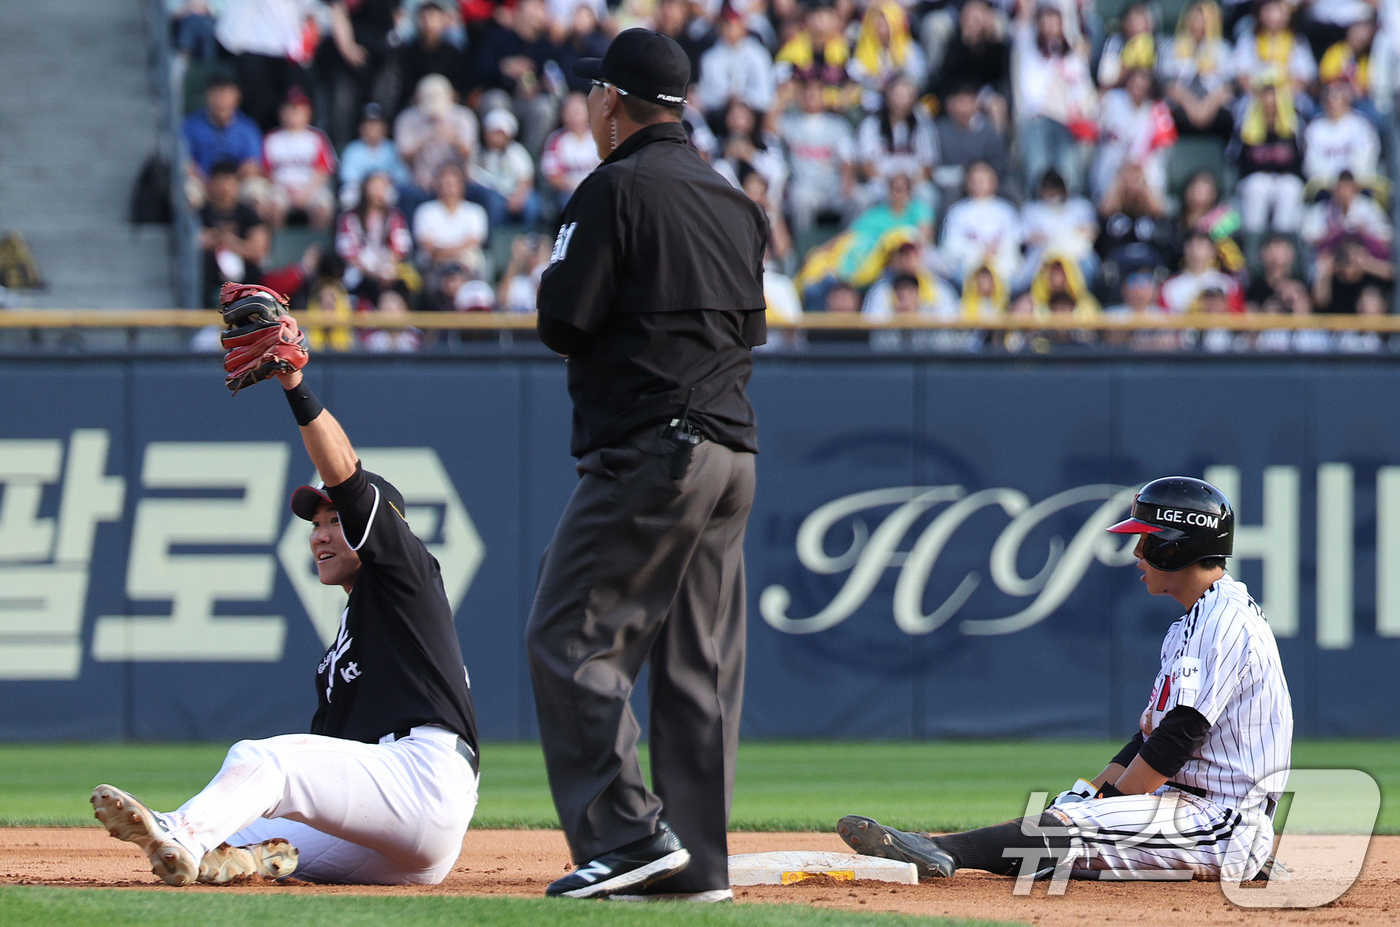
262	339
1080	791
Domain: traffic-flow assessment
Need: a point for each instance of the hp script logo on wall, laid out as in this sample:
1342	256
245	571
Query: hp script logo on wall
197	600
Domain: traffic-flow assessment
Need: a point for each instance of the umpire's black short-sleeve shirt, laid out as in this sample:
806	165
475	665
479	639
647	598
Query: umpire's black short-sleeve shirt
660	260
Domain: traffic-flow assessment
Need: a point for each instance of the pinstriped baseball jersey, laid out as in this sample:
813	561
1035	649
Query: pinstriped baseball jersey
1222	660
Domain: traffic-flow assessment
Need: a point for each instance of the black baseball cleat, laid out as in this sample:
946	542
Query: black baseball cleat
871	838
633	866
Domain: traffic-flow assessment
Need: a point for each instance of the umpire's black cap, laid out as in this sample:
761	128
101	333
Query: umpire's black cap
643	64
307	500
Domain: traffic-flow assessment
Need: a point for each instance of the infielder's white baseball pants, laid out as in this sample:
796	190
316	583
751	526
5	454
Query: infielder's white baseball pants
383	814
1169	830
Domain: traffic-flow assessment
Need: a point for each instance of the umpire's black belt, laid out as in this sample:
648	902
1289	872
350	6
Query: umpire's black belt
464	749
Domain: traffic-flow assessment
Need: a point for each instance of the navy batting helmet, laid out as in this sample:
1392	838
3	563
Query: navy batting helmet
1182	521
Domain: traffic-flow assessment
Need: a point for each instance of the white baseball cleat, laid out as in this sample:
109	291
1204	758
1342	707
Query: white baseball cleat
271	859
127	819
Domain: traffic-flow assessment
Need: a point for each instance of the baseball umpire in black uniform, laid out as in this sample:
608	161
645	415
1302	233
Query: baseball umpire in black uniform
655	294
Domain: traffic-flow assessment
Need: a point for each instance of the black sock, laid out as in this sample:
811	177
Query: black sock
982	848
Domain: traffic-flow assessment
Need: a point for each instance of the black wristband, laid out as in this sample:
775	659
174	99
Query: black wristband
305	405
1108	790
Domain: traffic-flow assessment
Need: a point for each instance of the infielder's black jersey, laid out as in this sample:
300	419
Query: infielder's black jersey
395	662
660	259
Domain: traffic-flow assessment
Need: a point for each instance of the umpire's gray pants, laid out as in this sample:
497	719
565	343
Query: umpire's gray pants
645	568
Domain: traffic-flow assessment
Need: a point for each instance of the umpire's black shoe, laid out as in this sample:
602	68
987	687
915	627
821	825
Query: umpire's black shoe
627	868
871	838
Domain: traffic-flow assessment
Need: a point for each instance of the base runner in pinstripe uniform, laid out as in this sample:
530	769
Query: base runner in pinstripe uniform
1194	792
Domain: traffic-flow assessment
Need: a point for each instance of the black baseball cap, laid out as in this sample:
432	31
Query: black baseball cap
643	64
306	500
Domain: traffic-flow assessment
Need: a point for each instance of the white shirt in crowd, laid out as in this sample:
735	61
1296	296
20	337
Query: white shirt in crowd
1069	227
435	226
907	150
293	159
1059	88
1205	71
274	28
818	144
1128	133
1179	293
744	71
1363	217
975	229
503	170
1330	147
569	156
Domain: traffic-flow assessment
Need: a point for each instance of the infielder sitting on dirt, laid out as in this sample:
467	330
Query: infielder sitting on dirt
382	789
1195	790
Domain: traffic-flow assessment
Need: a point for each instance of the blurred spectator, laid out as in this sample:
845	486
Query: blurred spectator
982	229
747	145
779	255
1197	71
441	294
272	43
681	20
520	281
859	254
984	294
372	151
359	62
1339	140
193	24
1278	257
737	67
1269	157
1055	99
502	167
979	56
1342	280
1275	49
1202	210
431	52
586	39
1135	231
885	51
1138	294
822	148
1056	221
373	241
299	164
234	238
449	228
963	135
570	154
391	340
1325	22
818	54
1349	61
933	296
1347	215
1200	275
518	58
434	132
897	140
219	132
842	298
1134	45
1134	125
1058	276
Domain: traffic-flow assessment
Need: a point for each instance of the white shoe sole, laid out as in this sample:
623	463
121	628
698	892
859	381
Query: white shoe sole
127	819
271	859
710	897
640	877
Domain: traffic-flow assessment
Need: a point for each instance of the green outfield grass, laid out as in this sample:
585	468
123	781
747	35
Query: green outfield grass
35	907
935	785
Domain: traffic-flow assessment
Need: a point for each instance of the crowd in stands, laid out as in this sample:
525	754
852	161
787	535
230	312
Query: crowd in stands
957	159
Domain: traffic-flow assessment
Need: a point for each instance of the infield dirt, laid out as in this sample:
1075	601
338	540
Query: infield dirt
521	863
